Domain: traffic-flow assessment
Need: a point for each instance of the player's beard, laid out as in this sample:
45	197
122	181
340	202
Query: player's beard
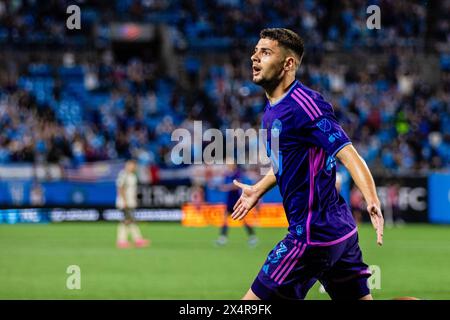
271	82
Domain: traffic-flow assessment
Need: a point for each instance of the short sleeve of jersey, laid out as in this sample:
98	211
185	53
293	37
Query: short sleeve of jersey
326	133
320	128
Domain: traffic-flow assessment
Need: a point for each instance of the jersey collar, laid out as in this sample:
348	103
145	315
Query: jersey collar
283	96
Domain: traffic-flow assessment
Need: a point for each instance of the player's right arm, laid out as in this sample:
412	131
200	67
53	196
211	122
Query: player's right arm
251	194
120	184
122	195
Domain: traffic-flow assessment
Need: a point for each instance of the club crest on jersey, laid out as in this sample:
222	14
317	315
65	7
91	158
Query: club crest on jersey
331	163
324	125
276	128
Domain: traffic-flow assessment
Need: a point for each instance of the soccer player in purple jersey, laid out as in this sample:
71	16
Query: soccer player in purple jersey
322	239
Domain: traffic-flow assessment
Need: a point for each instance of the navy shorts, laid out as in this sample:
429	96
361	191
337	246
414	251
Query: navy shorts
292	268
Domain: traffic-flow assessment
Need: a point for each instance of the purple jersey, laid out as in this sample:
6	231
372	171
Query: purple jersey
304	163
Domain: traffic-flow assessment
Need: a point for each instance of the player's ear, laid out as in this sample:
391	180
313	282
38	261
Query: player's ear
289	63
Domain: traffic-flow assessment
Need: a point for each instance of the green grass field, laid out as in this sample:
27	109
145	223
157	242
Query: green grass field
183	263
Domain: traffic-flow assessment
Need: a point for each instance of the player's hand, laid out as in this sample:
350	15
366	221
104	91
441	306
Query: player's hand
249	198
377	221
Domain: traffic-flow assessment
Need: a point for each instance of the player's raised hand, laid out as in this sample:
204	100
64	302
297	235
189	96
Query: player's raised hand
377	221
246	202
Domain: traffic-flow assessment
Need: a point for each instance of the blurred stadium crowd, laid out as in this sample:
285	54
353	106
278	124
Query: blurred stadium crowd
89	109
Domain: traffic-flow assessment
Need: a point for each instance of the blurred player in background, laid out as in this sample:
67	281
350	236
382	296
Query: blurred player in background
126	201
322	243
233	194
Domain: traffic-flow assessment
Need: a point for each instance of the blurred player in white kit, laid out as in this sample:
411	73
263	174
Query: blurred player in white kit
126	201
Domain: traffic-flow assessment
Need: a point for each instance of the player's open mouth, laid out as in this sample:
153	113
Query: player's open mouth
256	70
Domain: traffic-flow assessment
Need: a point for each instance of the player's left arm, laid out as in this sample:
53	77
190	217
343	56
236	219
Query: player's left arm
364	181
325	132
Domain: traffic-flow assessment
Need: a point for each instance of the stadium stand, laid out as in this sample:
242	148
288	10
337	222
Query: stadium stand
74	109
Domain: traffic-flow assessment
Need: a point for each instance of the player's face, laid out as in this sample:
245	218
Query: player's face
131	166
267	62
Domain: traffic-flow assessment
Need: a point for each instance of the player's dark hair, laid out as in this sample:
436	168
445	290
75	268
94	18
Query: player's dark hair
286	38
